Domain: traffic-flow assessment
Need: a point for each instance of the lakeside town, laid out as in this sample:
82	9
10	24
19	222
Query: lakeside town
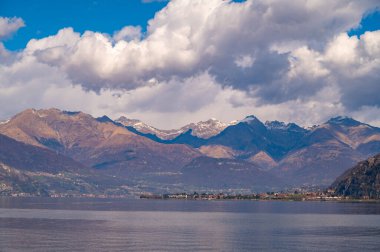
304	193
300	194
327	195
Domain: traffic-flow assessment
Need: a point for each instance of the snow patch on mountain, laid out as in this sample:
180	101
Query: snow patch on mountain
4	122
147	129
276	125
249	119
202	129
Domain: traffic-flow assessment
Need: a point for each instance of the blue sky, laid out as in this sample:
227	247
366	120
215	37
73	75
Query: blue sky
301	61
369	22
46	17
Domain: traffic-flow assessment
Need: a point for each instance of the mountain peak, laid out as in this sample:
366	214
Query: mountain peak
209	121
344	121
277	125
104	119
71	113
250	119
51	112
206	129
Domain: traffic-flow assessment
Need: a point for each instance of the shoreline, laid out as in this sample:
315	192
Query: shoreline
156	197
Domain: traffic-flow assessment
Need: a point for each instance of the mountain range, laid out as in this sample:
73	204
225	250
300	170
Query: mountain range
129	156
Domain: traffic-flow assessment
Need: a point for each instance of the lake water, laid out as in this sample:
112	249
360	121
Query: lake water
44	224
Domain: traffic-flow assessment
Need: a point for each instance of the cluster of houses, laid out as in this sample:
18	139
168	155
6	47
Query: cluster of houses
299	196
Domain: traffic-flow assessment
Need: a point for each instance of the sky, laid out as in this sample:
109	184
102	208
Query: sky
169	63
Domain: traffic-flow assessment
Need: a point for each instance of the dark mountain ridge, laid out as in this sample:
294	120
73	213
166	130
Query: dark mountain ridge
361	181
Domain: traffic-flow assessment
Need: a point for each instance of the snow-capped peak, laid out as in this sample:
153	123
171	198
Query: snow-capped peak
249	119
202	129
205	129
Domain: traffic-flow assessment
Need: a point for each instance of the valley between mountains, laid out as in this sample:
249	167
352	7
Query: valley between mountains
54	152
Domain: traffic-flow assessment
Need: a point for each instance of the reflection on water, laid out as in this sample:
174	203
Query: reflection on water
145	225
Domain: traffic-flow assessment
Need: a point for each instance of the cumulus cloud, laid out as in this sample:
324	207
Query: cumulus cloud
287	60
128	33
245	61
9	25
163	104
355	63
189	37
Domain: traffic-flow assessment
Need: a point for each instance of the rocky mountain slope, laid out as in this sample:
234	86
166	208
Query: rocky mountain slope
96	143
362	180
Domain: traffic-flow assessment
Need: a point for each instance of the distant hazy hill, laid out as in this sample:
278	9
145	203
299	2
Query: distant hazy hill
224	174
363	180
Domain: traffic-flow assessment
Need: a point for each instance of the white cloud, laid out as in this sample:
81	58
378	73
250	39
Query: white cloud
3	52
342	50
307	63
372	43
9	25
355	69
128	33
189	37
244	61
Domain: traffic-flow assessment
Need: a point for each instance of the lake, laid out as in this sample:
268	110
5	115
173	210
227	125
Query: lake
47	224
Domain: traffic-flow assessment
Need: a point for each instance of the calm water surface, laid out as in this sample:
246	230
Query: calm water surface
43	224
